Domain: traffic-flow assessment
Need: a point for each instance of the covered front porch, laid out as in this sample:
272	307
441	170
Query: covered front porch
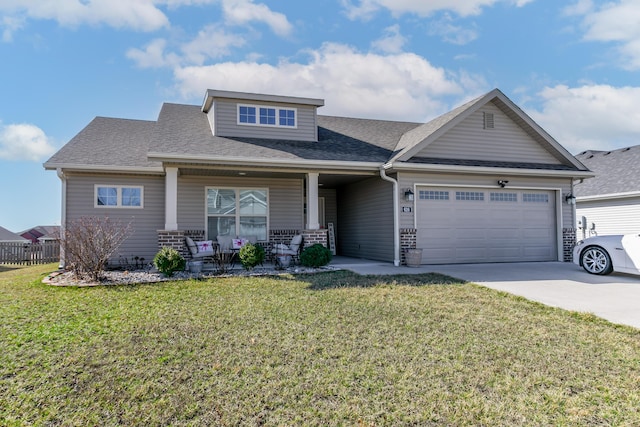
272	205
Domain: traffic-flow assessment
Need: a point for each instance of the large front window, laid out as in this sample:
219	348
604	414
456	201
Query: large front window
237	213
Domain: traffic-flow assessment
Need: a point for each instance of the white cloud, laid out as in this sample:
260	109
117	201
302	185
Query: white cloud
451	33
614	22
142	15
400	86
580	7
10	24
240	12
366	8
212	42
599	117
24	142
153	55
391	42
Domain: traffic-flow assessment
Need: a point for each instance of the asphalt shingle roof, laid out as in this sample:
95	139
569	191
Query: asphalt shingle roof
184	129
183	132
9	236
109	142
617	171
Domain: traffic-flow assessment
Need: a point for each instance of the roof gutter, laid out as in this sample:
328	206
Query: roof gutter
396	217
149	170
608	196
484	170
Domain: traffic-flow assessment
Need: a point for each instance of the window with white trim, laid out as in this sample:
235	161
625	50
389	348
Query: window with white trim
118	196
237	212
261	115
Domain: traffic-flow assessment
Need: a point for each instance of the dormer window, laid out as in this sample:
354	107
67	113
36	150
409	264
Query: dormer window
259	115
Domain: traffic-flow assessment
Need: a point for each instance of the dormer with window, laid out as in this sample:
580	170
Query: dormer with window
250	115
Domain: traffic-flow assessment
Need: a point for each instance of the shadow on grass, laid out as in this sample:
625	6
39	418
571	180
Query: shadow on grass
349	279
4	267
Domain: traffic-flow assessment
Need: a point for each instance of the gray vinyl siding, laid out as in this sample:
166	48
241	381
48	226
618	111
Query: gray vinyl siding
365	220
614	216
407	180
505	142
226	122
145	222
285	200
330	206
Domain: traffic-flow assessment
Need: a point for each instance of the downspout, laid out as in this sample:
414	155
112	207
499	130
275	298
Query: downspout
396	217
63	212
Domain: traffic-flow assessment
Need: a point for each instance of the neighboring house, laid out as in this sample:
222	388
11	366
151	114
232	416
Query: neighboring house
610	202
481	183
7	236
41	233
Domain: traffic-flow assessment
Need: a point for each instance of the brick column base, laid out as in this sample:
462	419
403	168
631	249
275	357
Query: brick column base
408	240
568	243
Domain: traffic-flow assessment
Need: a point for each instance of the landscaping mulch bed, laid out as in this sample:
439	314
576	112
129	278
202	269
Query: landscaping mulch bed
127	277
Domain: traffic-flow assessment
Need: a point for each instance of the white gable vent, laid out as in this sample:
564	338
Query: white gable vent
488	120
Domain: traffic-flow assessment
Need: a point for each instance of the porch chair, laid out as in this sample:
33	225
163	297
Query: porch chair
199	250
294	248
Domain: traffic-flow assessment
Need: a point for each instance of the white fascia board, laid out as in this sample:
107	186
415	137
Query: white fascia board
151	170
245	161
483	170
608	196
260	97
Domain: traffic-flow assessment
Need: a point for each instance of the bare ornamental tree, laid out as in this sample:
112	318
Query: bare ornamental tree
88	243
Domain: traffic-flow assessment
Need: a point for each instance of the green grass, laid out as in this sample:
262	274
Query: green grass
326	349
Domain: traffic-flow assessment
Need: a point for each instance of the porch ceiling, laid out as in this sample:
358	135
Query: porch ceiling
325	180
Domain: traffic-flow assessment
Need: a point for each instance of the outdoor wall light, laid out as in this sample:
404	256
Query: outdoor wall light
570	199
408	195
502	183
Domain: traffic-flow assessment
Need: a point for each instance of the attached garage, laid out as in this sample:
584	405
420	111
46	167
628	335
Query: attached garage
471	225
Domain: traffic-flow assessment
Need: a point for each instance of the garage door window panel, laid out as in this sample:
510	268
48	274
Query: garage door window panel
434	195
503	197
535	198
475	196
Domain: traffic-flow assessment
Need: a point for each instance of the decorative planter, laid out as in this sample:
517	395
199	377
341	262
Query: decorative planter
195	266
284	260
413	257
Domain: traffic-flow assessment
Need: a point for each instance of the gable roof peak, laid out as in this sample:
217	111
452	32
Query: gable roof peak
422	136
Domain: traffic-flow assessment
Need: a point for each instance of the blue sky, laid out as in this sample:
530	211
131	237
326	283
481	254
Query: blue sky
574	66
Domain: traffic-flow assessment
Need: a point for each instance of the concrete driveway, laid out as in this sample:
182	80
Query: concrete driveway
559	284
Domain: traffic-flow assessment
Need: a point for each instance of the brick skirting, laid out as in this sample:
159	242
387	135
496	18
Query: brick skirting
175	238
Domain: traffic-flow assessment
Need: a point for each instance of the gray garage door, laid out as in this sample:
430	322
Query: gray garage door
469	225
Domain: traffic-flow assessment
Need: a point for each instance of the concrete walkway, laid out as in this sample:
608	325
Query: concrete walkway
559	284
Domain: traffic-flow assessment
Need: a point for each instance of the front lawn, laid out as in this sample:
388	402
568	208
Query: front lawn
326	349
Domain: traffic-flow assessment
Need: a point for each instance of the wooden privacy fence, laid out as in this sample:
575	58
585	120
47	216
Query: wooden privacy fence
29	253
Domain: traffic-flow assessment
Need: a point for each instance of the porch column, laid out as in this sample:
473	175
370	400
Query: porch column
171	199
312	201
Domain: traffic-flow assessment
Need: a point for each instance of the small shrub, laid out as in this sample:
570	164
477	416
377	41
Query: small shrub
168	261
251	255
315	256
